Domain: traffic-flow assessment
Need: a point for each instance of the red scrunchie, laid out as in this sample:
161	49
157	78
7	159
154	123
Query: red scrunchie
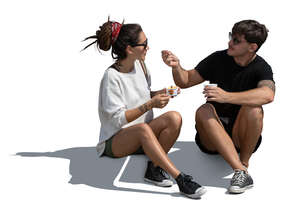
115	30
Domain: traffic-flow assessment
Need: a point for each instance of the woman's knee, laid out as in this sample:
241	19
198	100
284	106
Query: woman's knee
174	119
144	132
143	128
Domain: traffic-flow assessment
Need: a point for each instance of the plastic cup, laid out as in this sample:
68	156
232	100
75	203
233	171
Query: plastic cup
213	85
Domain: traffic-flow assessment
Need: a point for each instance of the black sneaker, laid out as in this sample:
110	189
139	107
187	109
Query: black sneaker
188	187
157	176
240	181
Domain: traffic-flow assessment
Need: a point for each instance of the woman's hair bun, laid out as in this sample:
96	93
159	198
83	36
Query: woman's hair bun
104	40
102	36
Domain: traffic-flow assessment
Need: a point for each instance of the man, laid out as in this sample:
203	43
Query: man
231	120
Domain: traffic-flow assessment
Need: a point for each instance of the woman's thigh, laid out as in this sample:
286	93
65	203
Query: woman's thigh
128	140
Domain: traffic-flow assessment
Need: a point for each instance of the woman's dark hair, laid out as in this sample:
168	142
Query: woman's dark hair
128	35
253	31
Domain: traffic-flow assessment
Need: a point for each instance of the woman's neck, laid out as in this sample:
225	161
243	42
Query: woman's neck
126	65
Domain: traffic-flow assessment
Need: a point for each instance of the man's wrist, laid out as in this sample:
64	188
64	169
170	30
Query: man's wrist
176	68
229	97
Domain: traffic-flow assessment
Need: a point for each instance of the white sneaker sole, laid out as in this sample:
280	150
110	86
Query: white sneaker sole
238	190
165	183
197	195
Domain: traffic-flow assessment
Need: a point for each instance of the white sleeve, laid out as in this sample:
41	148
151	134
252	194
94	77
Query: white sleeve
112	102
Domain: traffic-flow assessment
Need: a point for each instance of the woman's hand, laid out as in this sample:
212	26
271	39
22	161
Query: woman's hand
160	100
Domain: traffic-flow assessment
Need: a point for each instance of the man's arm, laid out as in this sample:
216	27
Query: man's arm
182	77
186	79
263	94
267	83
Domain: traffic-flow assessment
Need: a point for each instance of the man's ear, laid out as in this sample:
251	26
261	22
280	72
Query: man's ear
253	47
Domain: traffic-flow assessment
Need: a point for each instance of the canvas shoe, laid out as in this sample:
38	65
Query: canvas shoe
240	182
188	187
157	176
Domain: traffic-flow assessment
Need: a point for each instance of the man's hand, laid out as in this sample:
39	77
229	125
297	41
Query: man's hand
215	94
170	59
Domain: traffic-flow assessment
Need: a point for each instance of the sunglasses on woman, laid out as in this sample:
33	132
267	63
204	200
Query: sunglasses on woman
144	44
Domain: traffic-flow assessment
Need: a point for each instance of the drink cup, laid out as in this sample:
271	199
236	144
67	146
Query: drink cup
213	85
172	91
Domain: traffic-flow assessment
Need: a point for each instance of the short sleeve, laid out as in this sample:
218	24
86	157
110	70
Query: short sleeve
205	67
265	73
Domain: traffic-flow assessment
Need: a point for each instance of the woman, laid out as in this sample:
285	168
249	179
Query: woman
125	108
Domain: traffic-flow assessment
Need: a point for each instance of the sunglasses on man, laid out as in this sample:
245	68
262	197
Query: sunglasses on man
234	39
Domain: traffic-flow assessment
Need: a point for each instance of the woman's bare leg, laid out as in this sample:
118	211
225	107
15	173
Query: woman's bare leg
166	128
128	140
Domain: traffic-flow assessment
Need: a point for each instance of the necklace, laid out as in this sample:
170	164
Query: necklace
121	68
117	66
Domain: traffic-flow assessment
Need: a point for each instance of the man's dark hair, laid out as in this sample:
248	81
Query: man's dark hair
253	31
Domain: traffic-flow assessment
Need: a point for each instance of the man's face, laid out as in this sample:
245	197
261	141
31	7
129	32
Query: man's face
238	46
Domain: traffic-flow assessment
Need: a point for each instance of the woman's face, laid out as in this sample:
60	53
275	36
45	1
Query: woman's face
140	49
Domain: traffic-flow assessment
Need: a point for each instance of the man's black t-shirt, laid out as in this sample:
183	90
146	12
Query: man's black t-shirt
220	68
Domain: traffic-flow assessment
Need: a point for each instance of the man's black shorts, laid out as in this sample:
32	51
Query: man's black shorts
228	123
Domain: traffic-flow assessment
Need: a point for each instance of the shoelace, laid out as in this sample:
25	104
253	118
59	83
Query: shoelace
162	172
239	177
188	180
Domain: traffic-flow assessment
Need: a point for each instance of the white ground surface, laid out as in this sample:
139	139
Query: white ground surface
49	122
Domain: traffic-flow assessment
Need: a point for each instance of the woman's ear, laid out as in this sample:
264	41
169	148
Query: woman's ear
129	50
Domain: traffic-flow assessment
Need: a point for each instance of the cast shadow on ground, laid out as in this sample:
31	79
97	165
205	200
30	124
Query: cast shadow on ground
87	168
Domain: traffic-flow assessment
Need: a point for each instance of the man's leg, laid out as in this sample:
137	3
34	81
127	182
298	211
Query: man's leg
214	136
247	130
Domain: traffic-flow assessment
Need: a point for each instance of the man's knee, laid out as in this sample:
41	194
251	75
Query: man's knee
253	113
205	112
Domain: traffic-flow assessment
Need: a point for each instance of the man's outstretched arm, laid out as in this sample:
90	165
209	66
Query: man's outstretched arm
182	77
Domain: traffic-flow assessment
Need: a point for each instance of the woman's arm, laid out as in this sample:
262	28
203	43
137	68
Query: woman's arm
158	101
162	91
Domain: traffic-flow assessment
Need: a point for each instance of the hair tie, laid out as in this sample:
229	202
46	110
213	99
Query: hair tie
115	30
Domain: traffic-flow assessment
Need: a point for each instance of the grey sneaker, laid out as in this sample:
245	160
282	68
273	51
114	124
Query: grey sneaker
240	181
157	176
